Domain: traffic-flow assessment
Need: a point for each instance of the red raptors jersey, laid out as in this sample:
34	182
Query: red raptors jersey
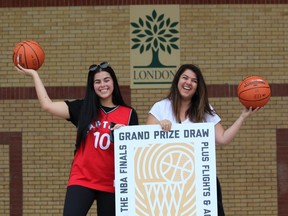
93	164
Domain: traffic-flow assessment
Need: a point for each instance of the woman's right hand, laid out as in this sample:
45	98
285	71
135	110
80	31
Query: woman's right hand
166	124
24	71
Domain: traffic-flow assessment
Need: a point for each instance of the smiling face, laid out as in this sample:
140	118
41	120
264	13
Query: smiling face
187	84
104	86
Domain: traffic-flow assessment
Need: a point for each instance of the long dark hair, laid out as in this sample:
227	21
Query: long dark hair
91	103
199	104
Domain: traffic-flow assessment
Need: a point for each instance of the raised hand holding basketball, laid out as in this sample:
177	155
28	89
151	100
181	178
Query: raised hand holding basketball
24	71
254	91
29	54
248	111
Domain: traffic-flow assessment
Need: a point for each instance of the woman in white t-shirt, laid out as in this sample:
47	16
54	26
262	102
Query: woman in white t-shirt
187	102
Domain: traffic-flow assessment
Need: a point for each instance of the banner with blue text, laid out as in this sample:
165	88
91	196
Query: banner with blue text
160	173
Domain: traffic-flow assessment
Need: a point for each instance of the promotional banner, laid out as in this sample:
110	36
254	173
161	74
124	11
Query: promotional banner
160	173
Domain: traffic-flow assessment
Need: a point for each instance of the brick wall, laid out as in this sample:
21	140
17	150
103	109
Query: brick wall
228	41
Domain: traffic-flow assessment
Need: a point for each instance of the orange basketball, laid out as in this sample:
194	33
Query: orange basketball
254	91
29	54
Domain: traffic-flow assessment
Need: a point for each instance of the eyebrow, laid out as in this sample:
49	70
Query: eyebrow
103	78
193	78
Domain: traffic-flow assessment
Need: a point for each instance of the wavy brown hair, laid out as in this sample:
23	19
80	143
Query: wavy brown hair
199	104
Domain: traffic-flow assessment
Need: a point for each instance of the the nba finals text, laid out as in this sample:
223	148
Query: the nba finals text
123	180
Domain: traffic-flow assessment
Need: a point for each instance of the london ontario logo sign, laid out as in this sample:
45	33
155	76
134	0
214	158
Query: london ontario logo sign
154	45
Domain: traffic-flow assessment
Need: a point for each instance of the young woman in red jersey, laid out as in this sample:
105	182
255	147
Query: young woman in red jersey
100	112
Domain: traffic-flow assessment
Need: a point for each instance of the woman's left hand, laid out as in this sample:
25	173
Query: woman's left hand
248	111
116	126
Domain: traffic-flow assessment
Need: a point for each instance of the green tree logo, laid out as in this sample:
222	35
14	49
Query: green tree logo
155	34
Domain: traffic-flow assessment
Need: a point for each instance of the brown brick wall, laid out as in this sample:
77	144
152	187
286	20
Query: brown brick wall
282	174
49	3
229	41
11	172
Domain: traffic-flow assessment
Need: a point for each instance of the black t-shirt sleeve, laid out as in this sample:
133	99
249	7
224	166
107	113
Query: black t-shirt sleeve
134	118
75	106
74	110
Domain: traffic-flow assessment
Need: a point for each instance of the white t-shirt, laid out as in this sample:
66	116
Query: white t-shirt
163	110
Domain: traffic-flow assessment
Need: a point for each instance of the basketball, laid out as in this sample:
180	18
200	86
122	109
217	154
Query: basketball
29	54
254	91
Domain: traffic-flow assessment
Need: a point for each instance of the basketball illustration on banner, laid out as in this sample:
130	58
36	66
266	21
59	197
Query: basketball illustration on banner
29	54
161	186
254	91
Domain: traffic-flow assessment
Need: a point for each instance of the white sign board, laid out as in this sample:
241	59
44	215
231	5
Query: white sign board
161	173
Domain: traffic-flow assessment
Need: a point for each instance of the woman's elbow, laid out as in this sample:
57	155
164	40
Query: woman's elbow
222	141
47	107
